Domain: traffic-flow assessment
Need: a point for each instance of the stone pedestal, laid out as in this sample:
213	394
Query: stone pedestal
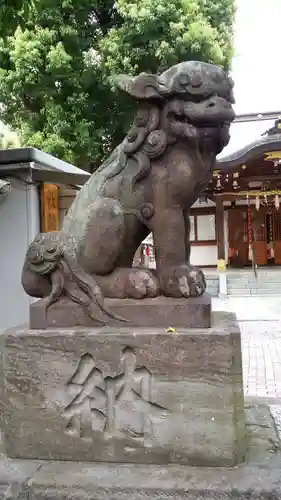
194	312
258	479
127	395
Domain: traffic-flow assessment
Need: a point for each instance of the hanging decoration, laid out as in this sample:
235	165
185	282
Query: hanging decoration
218	184
277	201
271	244
257	202
253	194
276	165
250	231
252	257
235	183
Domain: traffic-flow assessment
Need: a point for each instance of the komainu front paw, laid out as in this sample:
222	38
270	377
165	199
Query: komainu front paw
182	281
141	283
129	283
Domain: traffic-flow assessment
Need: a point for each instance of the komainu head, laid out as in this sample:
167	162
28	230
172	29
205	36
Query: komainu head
190	102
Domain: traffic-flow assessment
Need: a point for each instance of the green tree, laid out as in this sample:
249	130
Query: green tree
56	66
13	13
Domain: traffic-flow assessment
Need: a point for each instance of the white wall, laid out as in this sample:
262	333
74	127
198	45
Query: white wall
19	222
202	255
205	255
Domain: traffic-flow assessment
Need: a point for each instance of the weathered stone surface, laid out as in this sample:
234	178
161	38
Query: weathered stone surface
262	433
132	395
14	476
194	312
134	482
258	479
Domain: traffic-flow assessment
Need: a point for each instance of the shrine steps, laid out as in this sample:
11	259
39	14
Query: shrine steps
245	283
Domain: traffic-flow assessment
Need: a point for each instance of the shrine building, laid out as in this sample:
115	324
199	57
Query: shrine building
237	221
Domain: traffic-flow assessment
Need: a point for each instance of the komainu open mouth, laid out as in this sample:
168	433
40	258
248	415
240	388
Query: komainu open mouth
201	124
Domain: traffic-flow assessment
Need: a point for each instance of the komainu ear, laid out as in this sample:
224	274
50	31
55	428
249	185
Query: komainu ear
142	87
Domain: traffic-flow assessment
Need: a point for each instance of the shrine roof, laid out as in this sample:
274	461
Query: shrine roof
251	137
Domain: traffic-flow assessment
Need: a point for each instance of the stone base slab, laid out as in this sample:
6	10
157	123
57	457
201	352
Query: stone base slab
127	395
14	477
155	313
76	481
29	480
258	479
131	482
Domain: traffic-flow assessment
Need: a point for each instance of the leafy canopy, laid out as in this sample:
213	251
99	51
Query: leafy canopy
57	58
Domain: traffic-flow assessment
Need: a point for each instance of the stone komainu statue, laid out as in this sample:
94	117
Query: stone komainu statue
149	183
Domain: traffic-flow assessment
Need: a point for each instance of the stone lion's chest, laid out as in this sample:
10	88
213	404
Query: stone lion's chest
186	176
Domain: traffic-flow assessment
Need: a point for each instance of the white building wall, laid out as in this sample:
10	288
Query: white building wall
19	223
205	255
201	255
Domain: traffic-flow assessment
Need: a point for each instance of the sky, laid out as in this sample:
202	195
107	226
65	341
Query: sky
256	67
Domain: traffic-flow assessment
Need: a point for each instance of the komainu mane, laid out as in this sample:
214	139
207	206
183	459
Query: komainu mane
148	184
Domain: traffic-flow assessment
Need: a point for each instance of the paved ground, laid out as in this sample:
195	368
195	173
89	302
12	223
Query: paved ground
260	321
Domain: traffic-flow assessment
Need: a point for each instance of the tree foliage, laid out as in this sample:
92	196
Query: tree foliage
58	58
